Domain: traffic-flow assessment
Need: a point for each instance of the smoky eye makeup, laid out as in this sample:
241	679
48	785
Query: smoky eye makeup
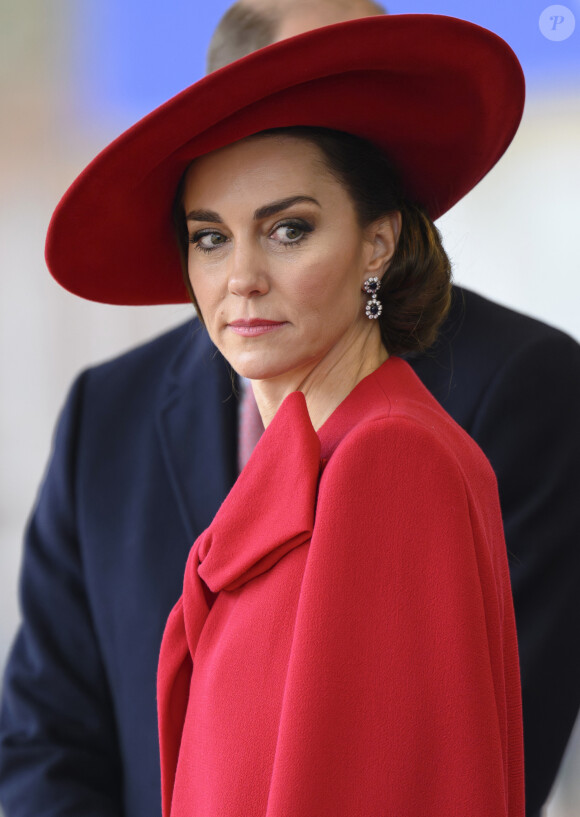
207	240
291	231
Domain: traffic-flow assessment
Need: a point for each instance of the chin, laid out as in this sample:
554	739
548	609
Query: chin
258	367
257	371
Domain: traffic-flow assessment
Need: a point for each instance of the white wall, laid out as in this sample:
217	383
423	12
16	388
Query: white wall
515	237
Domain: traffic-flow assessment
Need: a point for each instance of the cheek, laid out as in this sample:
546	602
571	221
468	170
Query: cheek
331	284
204	285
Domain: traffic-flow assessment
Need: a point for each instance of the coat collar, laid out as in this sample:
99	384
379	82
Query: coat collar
198	442
271	508
268	522
200	454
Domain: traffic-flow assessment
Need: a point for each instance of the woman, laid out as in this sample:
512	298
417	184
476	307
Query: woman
345	642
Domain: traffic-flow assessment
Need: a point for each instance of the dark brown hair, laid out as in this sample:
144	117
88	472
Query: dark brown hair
416	287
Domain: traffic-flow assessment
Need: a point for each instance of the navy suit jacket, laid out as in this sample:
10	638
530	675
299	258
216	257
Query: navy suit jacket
144	454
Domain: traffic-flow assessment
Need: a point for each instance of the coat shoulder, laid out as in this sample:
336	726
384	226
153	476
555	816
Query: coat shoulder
146	361
397	425
483	346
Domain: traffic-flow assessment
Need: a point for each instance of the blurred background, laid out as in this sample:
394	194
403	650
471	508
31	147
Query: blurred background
75	73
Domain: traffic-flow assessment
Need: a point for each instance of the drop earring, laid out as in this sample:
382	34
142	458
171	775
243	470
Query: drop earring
374	307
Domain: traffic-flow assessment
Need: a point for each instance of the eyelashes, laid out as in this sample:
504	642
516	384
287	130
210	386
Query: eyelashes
207	240
292	232
287	233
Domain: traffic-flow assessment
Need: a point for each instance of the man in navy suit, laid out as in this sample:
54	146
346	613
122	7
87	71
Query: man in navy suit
145	452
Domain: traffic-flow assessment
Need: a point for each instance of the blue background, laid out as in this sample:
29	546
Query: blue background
130	56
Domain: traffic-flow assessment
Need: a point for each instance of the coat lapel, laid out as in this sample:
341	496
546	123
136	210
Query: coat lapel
197	425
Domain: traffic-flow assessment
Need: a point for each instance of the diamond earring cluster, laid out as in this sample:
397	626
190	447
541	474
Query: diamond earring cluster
374	307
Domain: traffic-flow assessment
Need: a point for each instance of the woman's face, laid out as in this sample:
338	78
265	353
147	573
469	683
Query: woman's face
276	256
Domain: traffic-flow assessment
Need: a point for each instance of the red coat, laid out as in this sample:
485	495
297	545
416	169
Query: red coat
345	644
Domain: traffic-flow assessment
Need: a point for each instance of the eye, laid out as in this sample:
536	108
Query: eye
291	232
207	240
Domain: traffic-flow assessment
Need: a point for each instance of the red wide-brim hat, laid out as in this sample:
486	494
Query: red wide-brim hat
440	96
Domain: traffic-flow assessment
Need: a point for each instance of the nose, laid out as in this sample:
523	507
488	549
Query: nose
248	274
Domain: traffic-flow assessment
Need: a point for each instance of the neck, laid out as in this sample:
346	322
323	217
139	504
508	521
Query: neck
324	383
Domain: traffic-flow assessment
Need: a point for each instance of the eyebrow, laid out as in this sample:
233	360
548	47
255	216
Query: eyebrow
262	212
282	204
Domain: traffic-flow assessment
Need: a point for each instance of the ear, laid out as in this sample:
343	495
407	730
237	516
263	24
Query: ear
382	236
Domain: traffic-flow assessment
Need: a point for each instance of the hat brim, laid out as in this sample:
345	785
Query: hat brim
442	97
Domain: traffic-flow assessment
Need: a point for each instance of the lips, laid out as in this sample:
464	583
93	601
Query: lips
251	327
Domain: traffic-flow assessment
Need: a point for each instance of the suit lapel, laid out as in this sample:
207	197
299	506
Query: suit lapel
197	424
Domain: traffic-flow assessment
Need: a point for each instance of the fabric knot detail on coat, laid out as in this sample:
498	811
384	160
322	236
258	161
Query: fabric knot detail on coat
317	689
267	523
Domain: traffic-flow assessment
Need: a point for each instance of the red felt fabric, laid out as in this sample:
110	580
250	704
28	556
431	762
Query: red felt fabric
345	644
440	96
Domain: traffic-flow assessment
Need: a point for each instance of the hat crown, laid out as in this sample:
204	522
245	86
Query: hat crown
440	96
